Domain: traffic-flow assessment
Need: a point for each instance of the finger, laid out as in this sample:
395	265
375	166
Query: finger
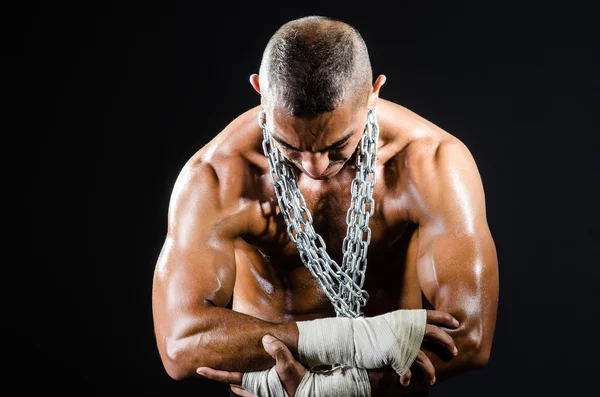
424	363
277	349
240	391
286	365
442	318
221	376
437	335
405	379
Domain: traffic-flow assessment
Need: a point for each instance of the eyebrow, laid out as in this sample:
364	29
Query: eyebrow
338	143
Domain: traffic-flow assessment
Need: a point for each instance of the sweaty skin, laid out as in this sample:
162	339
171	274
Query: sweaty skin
227	243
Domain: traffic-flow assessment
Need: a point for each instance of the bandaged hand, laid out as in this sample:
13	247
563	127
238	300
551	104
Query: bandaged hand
288	378
392	339
291	376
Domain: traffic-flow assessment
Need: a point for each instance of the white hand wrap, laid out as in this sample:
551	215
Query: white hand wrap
264	383
340	382
389	339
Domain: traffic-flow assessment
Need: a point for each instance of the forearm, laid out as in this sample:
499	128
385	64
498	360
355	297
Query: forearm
353	344
223	339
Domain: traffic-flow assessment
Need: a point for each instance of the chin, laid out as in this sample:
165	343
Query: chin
330	175
322	178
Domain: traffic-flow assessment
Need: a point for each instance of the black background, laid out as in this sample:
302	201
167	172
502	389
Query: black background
105	101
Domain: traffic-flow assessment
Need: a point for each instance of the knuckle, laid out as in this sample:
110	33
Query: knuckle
280	353
287	367
428	367
278	346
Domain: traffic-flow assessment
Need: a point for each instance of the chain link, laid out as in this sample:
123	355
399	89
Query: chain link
343	284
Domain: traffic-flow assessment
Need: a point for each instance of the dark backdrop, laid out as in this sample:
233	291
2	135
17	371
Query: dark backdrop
105	101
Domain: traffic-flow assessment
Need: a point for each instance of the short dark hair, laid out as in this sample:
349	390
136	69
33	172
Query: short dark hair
312	64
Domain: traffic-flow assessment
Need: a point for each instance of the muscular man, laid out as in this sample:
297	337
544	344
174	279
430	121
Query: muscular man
231	272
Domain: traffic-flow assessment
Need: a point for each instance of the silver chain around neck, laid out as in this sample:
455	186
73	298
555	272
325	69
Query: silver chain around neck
342	284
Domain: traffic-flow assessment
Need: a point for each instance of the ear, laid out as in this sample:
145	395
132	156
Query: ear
375	91
254	81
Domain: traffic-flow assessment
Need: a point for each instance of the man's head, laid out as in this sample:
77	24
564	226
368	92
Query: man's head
316	86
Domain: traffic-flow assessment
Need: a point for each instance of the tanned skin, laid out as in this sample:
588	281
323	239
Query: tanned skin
227	243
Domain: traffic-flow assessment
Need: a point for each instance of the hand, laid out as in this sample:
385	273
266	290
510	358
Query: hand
234	379
289	370
434	334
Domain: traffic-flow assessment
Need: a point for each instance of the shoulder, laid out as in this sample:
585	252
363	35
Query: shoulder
443	176
432	157
220	173
419	145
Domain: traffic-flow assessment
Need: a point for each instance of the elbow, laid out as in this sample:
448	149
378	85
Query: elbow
476	350
178	358
480	358
175	372
174	359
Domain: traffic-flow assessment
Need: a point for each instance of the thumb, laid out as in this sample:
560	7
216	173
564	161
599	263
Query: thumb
290	371
277	349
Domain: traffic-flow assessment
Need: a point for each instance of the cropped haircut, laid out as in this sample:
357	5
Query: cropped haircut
313	64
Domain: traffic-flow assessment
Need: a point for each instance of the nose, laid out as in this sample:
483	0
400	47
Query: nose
315	164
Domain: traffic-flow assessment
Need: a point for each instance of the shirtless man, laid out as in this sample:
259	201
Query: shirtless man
229	273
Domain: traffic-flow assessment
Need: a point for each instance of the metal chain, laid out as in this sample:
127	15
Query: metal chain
342	284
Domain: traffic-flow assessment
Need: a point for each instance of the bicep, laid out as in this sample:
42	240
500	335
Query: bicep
458	273
457	262
196	266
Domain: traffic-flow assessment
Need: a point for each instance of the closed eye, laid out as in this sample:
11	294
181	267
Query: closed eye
336	146
340	146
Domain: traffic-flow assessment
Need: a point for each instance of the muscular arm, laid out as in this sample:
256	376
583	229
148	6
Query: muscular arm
194	280
457	263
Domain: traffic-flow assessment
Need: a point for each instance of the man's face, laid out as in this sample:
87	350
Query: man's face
319	146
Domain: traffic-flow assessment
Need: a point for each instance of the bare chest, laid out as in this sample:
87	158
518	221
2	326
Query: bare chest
272	276
328	205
